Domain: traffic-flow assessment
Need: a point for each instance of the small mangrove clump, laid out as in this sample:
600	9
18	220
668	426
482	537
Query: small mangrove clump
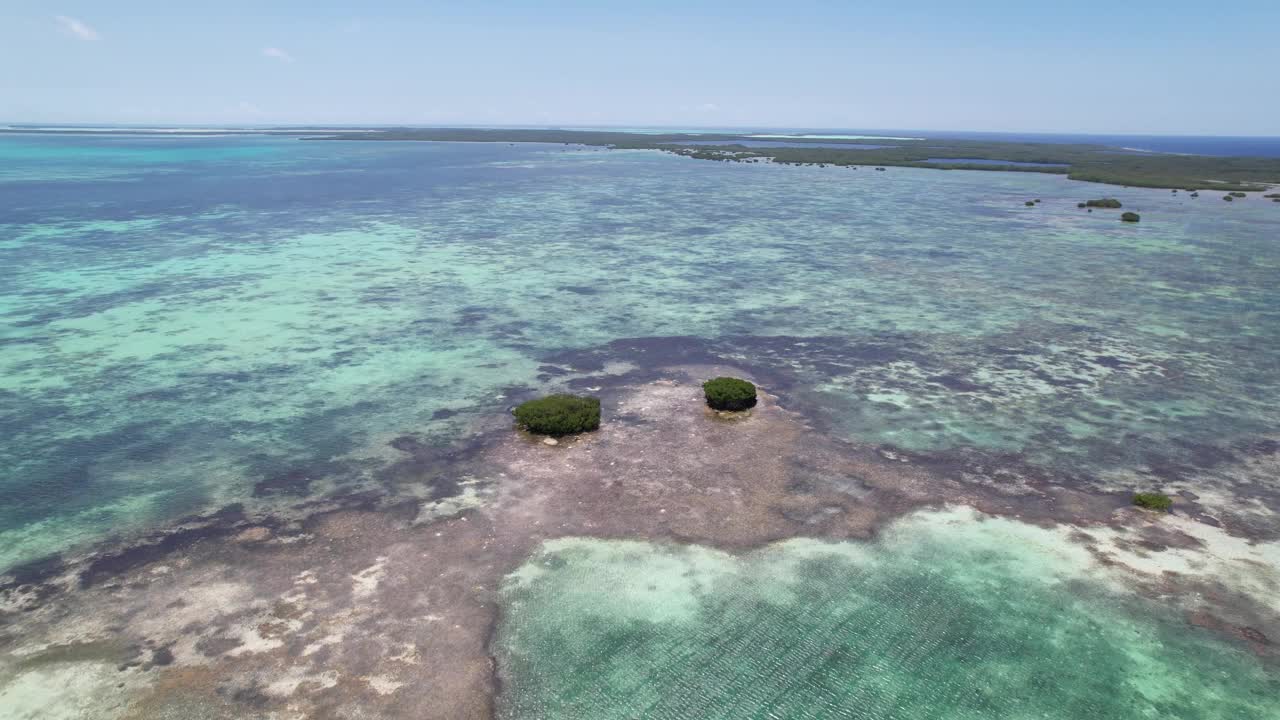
1131	217
1153	501
1080	205
1104	203
1272	196
726	393
1236	194
1029	203
1228	198
558	415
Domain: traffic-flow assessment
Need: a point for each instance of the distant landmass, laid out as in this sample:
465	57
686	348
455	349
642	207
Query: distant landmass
1088	162
1175	162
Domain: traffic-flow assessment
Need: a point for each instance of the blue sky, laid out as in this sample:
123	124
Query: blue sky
1084	66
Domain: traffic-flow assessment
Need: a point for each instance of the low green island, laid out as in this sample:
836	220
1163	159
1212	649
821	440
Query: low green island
730	394
1153	501
1110	203
559	415
1086	162
1130	217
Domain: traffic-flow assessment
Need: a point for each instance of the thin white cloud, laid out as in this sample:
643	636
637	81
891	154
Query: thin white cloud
76	27
278	54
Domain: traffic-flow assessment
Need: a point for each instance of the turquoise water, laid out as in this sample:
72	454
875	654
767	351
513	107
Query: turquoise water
936	619
183	322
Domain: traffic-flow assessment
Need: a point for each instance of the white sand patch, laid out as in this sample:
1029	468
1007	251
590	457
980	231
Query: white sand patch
332	638
382	684
298	595
252	642
474	493
668	594
295	677
66	691
199	603
365	583
1252	568
1052	555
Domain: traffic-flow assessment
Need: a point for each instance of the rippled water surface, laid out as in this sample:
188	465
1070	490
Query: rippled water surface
191	323
943	617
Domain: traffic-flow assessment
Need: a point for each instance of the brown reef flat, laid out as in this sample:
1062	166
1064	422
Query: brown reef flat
385	608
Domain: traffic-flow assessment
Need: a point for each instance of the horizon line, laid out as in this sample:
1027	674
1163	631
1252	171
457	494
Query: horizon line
587	127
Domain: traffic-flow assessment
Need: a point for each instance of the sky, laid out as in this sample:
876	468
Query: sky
1141	67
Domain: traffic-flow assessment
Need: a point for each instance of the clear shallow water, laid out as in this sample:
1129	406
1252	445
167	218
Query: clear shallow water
941	617
183	319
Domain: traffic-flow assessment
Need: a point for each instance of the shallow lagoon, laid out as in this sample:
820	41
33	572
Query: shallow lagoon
946	615
193	324
184	319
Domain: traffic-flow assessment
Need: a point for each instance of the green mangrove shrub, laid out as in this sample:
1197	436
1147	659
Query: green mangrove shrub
1153	501
1228	198
1236	194
558	415
1130	217
726	393
1104	203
